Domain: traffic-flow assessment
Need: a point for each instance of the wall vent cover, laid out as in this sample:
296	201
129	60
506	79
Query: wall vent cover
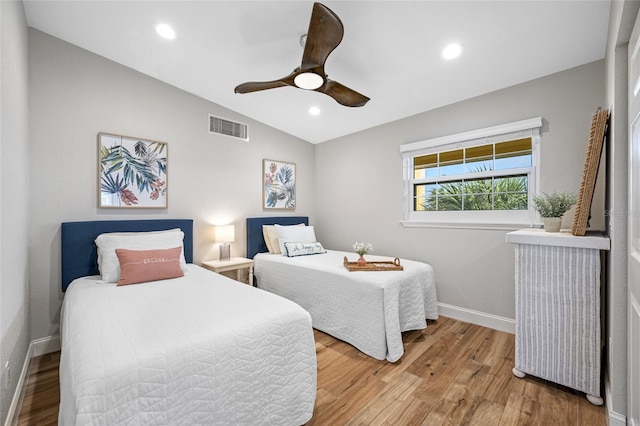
222	126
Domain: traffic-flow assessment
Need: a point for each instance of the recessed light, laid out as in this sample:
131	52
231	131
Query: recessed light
165	31
452	51
314	110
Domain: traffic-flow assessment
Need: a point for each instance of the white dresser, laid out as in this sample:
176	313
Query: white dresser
558	308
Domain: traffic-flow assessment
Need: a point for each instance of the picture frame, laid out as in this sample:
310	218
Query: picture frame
597	133
278	185
132	172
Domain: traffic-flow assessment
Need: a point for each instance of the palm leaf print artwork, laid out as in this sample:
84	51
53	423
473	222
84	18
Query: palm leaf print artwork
133	172
279	185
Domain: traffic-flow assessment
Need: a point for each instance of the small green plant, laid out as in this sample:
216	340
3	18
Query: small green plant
553	205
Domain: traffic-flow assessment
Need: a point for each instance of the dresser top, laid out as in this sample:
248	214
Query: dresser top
535	236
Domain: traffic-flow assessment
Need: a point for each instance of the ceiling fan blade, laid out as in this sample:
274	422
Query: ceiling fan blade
324	34
342	94
255	86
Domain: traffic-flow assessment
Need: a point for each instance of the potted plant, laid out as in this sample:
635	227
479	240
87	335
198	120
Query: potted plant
551	207
362	249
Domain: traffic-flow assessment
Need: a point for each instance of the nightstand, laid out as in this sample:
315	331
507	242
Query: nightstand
233	264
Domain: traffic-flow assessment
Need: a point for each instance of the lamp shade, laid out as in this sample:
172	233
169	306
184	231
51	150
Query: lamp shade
224	233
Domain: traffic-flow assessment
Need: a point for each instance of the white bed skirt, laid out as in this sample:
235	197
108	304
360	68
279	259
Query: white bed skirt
369	310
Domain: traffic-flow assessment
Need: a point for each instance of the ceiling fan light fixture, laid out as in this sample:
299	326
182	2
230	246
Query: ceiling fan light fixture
308	80
324	35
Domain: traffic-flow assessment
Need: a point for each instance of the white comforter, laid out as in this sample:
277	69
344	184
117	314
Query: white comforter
369	310
201	349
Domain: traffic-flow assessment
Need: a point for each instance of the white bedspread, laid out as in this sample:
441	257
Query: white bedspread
201	349
366	309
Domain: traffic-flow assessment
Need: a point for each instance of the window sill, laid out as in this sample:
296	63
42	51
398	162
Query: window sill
468	225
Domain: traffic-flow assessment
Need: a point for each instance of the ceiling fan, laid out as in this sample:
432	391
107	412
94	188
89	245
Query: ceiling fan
324	34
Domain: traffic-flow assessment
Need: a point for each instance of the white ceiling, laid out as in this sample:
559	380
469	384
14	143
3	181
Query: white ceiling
391	50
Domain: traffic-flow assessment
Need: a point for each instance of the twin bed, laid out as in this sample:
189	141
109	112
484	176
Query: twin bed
368	310
197	349
201	348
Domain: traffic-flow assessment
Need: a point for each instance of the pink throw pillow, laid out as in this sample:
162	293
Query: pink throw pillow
139	266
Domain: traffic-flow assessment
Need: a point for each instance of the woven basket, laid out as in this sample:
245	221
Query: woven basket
393	265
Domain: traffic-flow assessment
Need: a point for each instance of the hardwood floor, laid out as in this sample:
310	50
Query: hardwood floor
42	394
452	373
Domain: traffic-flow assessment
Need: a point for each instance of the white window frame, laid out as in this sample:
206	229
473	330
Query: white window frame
486	219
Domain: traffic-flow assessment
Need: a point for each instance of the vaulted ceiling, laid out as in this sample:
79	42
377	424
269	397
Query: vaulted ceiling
391	50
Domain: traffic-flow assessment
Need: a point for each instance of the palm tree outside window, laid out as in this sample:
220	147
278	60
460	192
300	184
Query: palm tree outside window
485	176
475	178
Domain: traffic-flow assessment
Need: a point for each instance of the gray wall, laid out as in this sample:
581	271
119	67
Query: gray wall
359	184
14	198
74	95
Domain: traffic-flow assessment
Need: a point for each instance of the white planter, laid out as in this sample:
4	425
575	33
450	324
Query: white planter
552	224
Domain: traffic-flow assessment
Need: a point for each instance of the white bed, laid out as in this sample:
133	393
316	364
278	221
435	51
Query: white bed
201	349
198	349
369	310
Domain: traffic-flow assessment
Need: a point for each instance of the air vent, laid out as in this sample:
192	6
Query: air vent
226	127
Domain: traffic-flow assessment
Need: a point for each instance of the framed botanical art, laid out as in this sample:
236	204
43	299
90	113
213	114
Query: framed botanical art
132	172
279	185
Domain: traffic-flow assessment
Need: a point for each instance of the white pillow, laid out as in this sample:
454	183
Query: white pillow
267	237
271	237
107	244
297	234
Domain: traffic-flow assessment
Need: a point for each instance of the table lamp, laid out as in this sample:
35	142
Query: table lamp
224	234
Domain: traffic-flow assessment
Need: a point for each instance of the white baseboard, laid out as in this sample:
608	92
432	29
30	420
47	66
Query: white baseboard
46	345
18	395
479	318
615	418
36	348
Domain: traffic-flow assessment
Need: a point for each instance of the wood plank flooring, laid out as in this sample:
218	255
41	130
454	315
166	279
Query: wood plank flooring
42	394
452	373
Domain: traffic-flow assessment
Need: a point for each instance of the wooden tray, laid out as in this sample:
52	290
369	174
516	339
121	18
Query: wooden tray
393	265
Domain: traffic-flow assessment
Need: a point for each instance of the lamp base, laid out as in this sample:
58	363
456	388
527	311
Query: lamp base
225	251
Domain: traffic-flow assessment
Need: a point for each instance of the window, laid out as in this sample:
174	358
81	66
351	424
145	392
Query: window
484	177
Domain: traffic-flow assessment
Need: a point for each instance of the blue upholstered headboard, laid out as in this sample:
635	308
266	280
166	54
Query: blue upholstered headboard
80	254
255	239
